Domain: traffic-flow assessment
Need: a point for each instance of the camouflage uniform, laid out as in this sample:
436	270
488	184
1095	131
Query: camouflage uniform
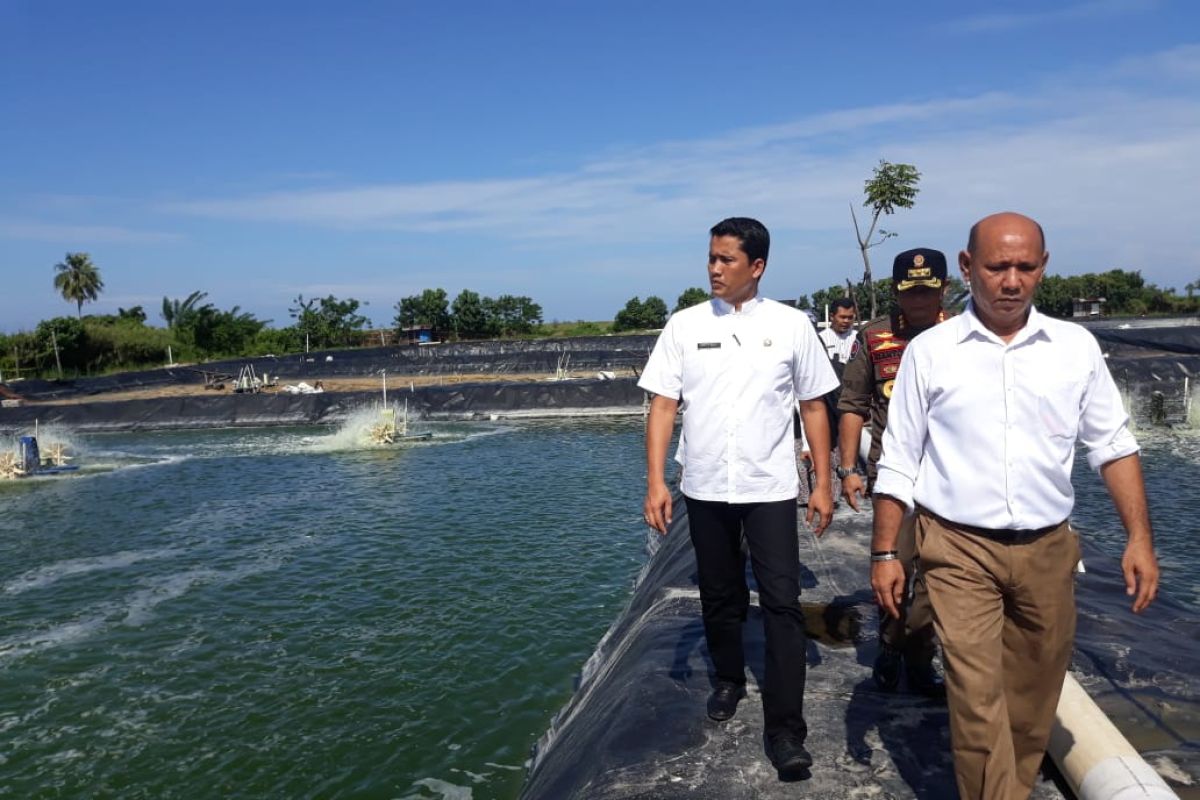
866	390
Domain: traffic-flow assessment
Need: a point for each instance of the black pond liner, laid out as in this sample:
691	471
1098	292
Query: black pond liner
636	725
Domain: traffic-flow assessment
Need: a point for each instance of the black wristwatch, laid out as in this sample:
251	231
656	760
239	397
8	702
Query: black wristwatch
842	472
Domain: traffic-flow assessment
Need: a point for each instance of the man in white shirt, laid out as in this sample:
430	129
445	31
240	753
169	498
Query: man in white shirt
980	439
839	337
838	340
736	366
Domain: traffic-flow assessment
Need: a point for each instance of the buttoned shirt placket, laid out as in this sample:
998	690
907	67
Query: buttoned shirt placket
1008	358
733	416
1010	429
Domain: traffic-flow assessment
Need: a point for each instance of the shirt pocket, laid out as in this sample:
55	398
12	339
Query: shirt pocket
770	367
1058	407
705	361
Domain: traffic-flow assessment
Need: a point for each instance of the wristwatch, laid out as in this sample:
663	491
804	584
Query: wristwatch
842	472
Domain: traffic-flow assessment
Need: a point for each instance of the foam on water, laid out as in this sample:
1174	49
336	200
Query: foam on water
56	636
138	607
52	573
444	789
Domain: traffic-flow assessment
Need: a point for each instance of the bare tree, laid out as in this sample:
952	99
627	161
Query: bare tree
891	186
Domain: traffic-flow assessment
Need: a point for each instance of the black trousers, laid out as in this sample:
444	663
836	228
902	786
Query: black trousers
770	532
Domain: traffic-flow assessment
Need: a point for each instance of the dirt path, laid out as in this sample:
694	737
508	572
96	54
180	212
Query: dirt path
337	384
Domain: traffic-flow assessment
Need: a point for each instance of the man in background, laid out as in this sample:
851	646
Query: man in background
838	338
736	366
918	286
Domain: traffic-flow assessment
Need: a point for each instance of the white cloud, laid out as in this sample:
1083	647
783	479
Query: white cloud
1180	63
1096	9
1105	159
84	234
1083	156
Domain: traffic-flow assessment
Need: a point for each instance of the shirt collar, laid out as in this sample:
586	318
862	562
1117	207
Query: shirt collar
969	324
722	308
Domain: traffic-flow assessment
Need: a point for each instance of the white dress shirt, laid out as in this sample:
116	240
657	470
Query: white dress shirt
838	345
983	433
738	375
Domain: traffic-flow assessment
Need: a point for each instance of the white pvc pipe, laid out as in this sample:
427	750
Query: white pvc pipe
1096	760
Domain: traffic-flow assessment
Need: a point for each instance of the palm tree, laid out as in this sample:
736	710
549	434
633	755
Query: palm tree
78	280
176	312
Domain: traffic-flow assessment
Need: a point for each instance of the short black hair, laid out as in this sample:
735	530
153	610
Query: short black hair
843	302
756	241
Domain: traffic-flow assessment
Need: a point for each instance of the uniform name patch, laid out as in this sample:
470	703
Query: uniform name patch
708	345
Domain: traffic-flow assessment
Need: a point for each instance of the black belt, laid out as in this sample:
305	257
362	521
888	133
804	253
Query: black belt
1008	535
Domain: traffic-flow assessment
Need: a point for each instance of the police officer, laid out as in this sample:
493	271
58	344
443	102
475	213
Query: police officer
918	286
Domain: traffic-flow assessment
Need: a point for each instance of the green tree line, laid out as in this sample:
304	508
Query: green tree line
469	316
196	330
1125	294
651	313
818	300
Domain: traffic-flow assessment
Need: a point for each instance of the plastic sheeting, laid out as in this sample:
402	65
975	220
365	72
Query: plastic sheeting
1159	384
458	401
1179	335
581	356
636	726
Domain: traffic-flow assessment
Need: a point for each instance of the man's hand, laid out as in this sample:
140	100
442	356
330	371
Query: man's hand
853	489
657	507
1141	574
1124	481
887	579
820	505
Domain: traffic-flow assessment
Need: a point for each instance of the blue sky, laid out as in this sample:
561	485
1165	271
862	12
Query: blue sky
574	152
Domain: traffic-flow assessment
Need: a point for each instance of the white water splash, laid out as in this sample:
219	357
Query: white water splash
1193	406
52	435
52	573
352	434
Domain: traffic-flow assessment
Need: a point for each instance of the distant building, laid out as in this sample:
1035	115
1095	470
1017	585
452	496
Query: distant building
1087	307
418	334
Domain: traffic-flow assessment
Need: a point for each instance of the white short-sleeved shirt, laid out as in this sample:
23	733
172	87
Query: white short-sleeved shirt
983	433
838	346
738	375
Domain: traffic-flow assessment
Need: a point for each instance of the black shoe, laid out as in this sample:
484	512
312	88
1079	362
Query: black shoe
887	669
924	680
723	702
788	753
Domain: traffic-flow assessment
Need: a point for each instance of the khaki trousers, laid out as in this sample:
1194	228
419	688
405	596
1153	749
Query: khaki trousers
913	633
1004	608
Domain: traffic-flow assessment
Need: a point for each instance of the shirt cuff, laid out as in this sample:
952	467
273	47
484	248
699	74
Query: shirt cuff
651	385
1123	445
894	484
826	388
